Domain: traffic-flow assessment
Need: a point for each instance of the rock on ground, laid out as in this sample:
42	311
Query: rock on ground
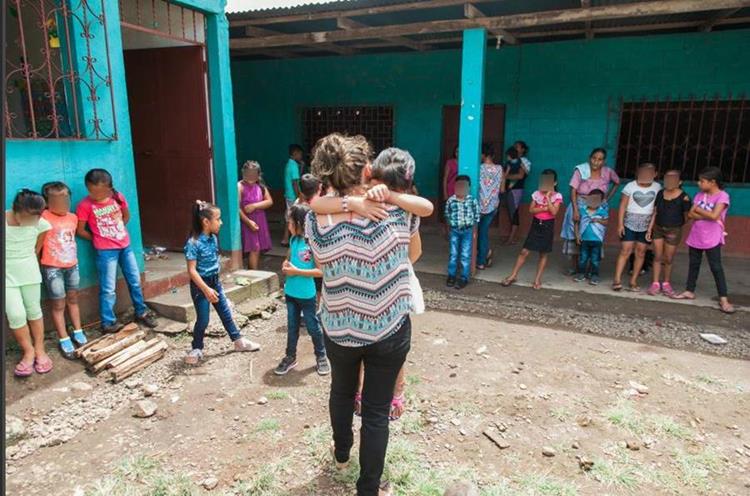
144	409
14	428
462	488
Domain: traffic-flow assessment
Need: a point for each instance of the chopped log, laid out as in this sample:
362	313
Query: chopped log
118	376
107	339
139	361
93	356
122	355
129	353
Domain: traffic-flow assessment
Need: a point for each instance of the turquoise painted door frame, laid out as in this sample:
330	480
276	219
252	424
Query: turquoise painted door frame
472	104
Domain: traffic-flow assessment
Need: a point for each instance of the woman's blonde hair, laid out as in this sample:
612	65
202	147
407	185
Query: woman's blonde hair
339	160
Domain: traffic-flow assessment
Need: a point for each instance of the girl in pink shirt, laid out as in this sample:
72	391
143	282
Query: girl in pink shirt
545	203
102	217
709	213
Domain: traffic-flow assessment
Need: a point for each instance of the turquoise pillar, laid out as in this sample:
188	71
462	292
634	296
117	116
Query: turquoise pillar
472	105
222	130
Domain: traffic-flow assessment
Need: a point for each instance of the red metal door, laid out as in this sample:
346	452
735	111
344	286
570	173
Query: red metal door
169	121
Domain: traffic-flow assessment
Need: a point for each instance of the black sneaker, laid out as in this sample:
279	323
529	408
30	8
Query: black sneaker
450	282
323	367
461	284
111	328
148	319
287	363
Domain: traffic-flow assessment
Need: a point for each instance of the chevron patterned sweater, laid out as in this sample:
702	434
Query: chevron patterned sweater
366	293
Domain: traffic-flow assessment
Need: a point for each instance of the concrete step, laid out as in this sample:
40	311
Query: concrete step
176	304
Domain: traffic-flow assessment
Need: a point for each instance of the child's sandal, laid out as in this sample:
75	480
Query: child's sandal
358	404
727	308
23	369
508	281
616	286
634	288
43	366
397	407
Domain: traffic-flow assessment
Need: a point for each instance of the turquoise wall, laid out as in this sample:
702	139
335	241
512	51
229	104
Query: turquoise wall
556	94
31	163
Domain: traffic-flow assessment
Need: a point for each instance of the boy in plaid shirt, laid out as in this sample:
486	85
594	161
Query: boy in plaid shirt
462	213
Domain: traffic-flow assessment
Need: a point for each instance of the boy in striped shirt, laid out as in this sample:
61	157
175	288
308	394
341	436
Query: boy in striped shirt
462	214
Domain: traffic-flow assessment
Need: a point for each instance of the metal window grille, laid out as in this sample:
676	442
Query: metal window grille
58	73
688	135
163	18
374	123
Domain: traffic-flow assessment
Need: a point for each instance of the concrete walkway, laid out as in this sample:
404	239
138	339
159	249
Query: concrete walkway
435	257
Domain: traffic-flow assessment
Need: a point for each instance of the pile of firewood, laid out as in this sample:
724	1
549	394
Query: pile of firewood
122	354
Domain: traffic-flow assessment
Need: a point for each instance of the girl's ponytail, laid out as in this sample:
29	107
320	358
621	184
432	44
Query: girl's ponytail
102	176
201	210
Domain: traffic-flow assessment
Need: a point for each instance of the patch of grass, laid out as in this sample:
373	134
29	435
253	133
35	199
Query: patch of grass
625	416
621	473
465	408
410	423
318	442
695	470
267	425
143	476
278	395
562	414
546	485
413	380
265	482
710	380
669	426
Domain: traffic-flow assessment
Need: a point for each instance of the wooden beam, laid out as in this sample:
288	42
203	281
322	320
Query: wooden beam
585	4
714	19
256	32
515	21
298	51
333	14
349	24
472	12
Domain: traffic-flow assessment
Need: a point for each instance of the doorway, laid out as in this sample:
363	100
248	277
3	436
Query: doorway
169	117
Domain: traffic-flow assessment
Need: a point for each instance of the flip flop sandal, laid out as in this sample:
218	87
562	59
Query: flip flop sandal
490	258
507	282
680	296
727	309
358	404
634	289
397	402
616	286
23	369
42	366
536	287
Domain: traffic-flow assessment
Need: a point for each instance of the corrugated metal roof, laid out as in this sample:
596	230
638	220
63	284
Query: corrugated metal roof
302	7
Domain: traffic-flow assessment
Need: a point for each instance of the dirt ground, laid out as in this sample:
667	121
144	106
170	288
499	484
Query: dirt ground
681	426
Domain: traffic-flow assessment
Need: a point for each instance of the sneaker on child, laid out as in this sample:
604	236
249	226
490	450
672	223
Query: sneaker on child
287	363
194	357
244	344
323	366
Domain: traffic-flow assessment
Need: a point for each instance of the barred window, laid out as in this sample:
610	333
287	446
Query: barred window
58	82
688	135
374	123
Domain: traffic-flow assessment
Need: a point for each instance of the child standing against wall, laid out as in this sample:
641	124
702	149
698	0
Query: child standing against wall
24	236
590	232
105	213
462	214
545	203
665	232
60	265
255	199
707	235
202	255
490	180
635	213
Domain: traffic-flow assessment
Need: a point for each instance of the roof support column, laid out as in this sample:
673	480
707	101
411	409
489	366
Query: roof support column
472	104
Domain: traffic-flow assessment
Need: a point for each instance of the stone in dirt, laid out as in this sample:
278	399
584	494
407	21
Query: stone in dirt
150	389
14	428
169	326
632	444
462	488
584	463
639	387
481	350
133	383
81	386
144	409
262	400
210	483
549	451
499	441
